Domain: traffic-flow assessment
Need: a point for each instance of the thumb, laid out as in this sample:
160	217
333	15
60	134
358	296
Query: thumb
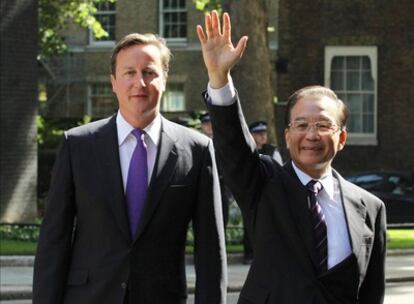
241	46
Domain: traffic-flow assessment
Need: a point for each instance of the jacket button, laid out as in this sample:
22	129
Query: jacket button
124	285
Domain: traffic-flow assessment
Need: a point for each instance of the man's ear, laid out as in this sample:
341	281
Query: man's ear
113	81
287	138
342	139
165	81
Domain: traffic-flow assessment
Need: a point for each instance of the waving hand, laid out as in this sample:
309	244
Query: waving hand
219	53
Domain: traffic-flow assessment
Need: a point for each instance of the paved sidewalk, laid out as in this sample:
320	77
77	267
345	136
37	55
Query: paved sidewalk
16	273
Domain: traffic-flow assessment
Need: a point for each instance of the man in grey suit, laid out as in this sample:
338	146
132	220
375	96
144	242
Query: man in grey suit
316	237
123	192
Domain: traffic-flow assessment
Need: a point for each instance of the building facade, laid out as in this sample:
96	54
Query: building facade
78	82
364	51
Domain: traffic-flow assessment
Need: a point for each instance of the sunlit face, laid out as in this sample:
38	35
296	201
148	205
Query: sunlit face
260	138
313	151
138	83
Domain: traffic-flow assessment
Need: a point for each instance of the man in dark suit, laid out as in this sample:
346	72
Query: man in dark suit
123	192
226	196
316	237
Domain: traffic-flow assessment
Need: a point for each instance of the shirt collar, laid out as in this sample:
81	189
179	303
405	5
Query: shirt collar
326	181
153	130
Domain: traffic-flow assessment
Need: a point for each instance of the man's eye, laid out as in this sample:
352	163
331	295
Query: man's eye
148	73
130	73
324	125
302	125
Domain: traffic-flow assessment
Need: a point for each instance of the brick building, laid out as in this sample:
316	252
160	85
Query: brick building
364	51
18	110
78	82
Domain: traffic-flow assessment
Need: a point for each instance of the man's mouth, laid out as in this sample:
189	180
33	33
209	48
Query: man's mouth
315	149
138	96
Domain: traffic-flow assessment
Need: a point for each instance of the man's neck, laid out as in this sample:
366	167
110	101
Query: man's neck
140	122
317	172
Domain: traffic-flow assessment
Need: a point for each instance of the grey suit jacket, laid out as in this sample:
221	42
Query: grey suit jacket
86	253
274	203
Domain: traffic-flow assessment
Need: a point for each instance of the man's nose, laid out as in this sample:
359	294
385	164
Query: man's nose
312	132
139	80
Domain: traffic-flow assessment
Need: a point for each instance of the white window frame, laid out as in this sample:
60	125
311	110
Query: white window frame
172	41
361	139
166	94
104	43
89	106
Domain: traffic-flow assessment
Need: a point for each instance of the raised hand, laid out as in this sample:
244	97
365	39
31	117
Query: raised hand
218	51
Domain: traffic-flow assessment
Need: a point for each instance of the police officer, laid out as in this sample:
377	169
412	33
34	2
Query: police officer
258	129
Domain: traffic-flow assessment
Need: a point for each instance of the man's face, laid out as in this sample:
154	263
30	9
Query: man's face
260	138
138	83
313	150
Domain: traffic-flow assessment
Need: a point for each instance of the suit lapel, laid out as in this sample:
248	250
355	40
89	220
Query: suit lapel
163	172
355	213
108	154
297	197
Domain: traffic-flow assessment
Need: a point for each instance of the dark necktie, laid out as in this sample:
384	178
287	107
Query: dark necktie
137	182
319	226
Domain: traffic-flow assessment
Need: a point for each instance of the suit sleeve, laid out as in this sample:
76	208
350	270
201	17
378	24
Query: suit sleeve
209	245
54	246
236	152
373	288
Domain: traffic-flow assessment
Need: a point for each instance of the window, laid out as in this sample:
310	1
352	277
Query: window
173	99
106	16
173	20
102	102
352	73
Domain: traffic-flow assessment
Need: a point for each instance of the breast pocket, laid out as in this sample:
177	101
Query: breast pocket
366	246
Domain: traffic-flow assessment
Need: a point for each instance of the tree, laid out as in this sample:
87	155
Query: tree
54	16
253	74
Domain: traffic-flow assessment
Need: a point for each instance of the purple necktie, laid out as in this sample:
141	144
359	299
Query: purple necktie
319	226
137	182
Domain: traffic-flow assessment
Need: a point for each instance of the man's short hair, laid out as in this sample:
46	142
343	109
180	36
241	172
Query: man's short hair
142	39
317	92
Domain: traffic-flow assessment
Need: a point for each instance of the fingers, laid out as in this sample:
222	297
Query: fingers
200	34
209	29
212	23
215	20
226	27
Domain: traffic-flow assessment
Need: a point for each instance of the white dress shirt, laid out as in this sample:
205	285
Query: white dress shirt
329	197
127	143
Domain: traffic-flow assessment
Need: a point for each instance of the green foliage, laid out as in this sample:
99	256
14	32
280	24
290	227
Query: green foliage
234	230
208	5
54	16
49	132
27	233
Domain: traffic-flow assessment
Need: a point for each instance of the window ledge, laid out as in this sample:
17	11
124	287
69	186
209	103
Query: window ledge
361	140
100	45
174	42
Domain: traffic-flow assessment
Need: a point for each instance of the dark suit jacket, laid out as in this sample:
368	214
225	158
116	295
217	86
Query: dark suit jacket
274	202
85	251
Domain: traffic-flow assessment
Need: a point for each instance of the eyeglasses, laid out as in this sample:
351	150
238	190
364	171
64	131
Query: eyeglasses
322	127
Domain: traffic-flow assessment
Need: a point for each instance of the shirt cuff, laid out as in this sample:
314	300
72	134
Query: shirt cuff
223	96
